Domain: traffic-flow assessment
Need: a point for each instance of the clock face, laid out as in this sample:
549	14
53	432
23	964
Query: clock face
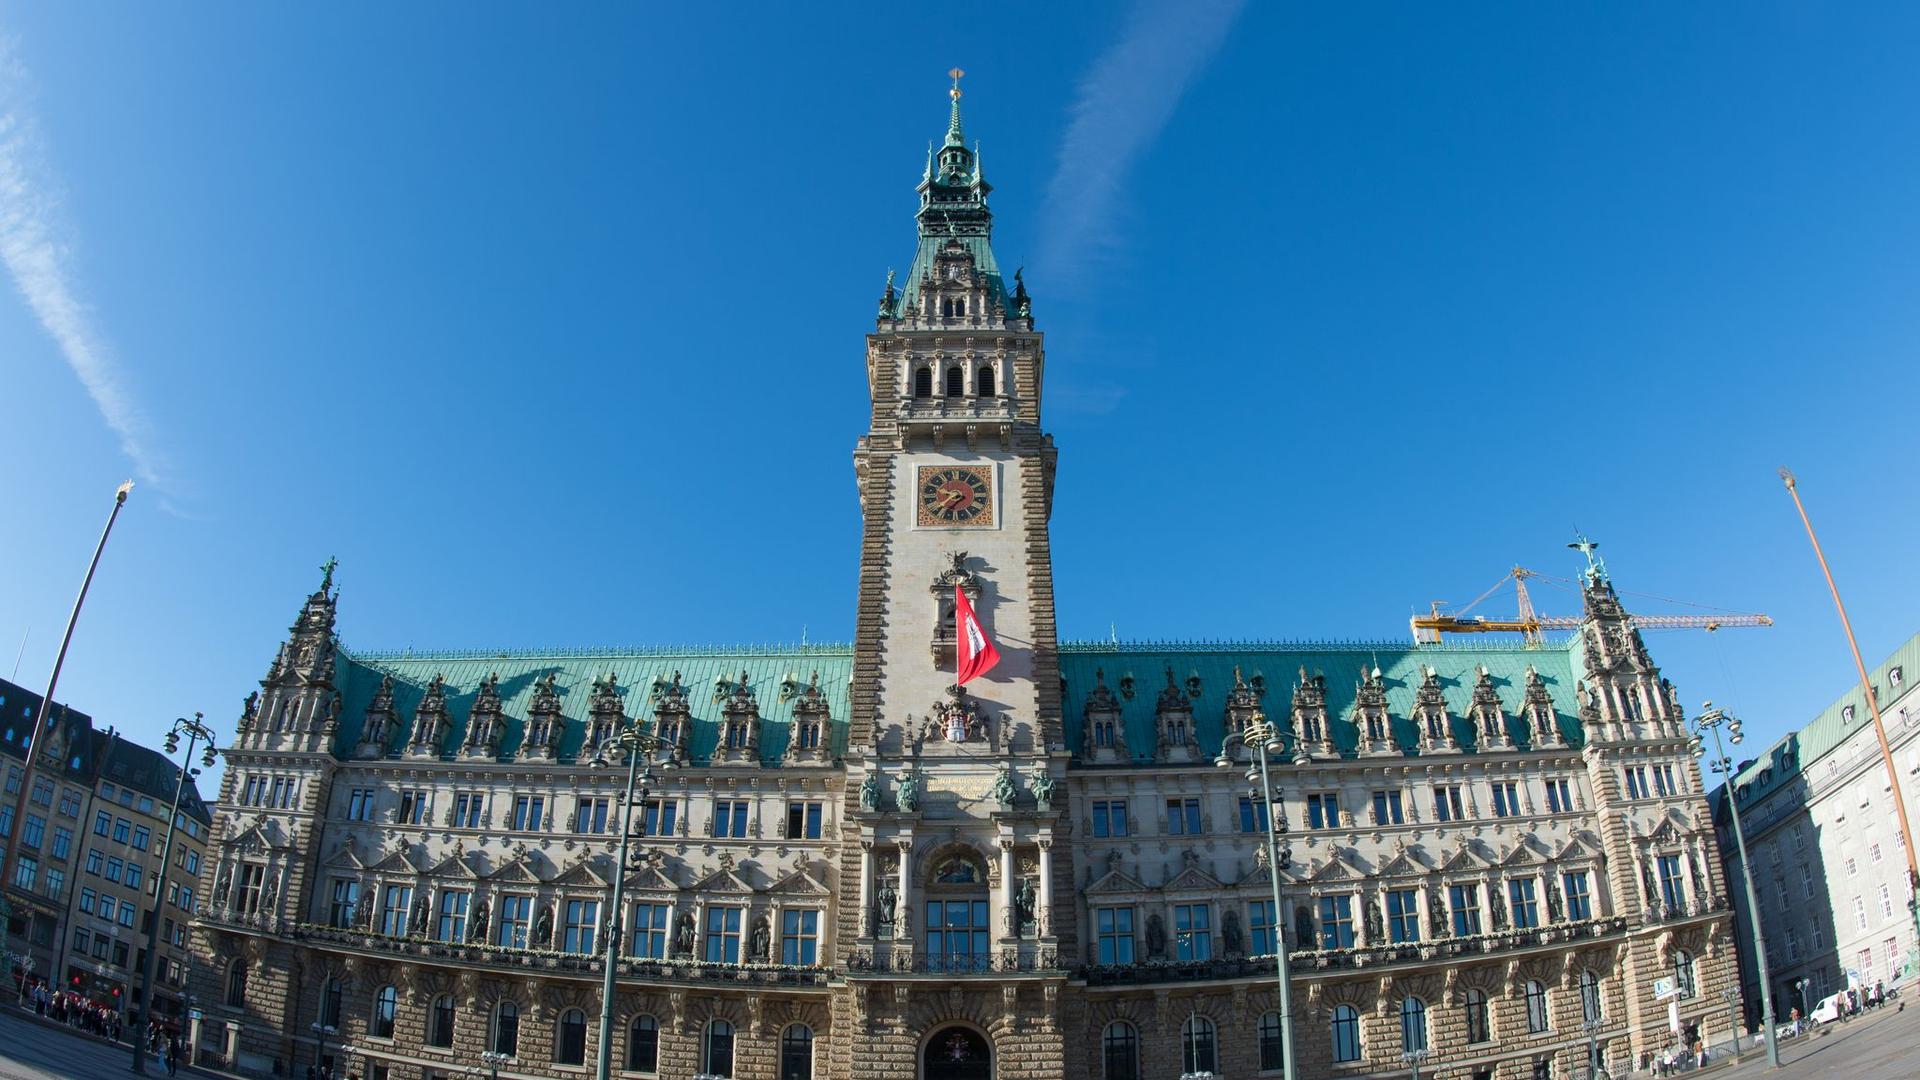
955	495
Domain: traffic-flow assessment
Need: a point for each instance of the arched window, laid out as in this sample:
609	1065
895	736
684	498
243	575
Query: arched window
237	983
330	1005
1346	1033
1589	996
983	382
1478	1029
1120	1051
506	1029
1273	1042
1683	974
923	381
384	1004
570	1039
440	1023
1413	1025
956	381
643	1045
1196	1043
716	1051
796	1053
1536	1007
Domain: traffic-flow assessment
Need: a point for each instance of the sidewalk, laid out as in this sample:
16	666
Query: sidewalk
23	1031
1878	1045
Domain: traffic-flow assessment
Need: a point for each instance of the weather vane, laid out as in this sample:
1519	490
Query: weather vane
955	92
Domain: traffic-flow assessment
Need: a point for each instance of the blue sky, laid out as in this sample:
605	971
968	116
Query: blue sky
550	326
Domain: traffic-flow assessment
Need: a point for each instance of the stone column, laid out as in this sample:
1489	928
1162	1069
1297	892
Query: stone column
903	916
1045	904
1010	925
866	888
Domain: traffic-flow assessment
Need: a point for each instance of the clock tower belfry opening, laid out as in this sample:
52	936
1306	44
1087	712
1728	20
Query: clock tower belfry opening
955	476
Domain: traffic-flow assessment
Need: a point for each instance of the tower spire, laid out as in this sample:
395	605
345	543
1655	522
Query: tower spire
954	134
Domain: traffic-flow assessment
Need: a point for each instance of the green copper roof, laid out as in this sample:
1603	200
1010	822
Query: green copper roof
775	673
953	208
1278	664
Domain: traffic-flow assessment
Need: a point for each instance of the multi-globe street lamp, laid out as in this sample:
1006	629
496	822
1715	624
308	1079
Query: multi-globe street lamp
321	1033
196	731
1412	1059
1711	720
493	1059
639	746
1263	738
1592	1025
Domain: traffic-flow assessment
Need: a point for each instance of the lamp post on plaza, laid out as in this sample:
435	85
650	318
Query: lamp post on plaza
1412	1059
1591	1025
196	731
1732	998
493	1059
321	1032
639	747
1711	720
1190	1045
1263	738
1800	992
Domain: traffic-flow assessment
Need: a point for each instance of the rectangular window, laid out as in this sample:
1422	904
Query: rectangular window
127	912
1860	913
650	931
345	900
1403	915
1874	853
42	791
1520	897
590	816
34	831
86	900
360	804
101	944
114	869
14	776
1672	886
1192	932
1806	881
1114	926
528	811
1323	810
800	937
393	913
1110	817
1663	781
723	935
1386	808
466	809
1559	796
62	841
1506	798
142	837
250	796
1579	902
1336	922
413	808
69	803
1183	817
804	820
186	900
122	830
730	817
1253	815
278	797
1886	900
1260	927
1853	868
957	935
57	882
134	873
1447	804
82	941
1636	781
657	817
516	917
102	822
1465	902
453	916
582	917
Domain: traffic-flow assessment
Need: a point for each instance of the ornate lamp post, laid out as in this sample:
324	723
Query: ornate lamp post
321	1032
1190	1044
1592	1025
196	732
1711	720
1412	1059
639	747
493	1059
1263	738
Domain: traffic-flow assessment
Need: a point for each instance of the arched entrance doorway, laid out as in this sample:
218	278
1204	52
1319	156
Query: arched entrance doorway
957	1053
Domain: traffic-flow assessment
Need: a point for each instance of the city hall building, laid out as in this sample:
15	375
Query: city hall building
1499	856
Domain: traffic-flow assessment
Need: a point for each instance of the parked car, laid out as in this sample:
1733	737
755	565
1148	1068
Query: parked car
1831	1008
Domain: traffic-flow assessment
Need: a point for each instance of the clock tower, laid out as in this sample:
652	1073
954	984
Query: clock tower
955	793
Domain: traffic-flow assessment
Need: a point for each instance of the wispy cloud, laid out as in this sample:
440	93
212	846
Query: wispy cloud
1124	101
35	247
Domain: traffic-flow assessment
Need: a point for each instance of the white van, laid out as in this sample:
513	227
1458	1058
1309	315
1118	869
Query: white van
1830	1009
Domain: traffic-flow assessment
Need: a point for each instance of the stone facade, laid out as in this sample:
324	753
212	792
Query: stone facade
858	869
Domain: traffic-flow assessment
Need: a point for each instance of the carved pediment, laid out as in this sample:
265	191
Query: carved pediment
1577	849
585	873
1117	881
455	866
346	857
400	860
1522	854
1193	879
724	880
1404	864
799	883
519	870
651	879
1464	858
1337	868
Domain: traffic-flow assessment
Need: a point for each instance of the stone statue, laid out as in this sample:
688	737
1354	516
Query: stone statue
683	937
906	794
1437	913
1302	925
543	930
418	927
1230	932
268	894
223	887
884	904
1023	902
1002	790
252	703
1372	910
759	945
478	931
1553	900
1496	910
366	914
1042	784
870	792
1156	937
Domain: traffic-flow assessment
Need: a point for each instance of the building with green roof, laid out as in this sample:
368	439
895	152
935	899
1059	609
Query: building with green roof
852	862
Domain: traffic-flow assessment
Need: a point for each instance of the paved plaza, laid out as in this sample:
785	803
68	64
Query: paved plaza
34	1050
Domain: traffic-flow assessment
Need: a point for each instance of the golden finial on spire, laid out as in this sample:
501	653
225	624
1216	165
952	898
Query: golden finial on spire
955	92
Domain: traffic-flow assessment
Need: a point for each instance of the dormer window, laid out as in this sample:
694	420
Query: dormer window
983	382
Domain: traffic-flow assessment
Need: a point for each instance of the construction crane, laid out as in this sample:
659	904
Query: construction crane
1532	625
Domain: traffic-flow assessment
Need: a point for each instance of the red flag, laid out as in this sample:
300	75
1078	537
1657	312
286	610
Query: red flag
976	651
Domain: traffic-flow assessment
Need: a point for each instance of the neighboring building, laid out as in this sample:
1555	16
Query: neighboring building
38	887
119	879
1829	859
857	870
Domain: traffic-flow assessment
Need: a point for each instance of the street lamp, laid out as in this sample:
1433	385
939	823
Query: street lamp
1190	1044
639	747
493	1059
1263	738
196	731
321	1032
1800	991
1711	720
1592	1025
1412	1059
1732	997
